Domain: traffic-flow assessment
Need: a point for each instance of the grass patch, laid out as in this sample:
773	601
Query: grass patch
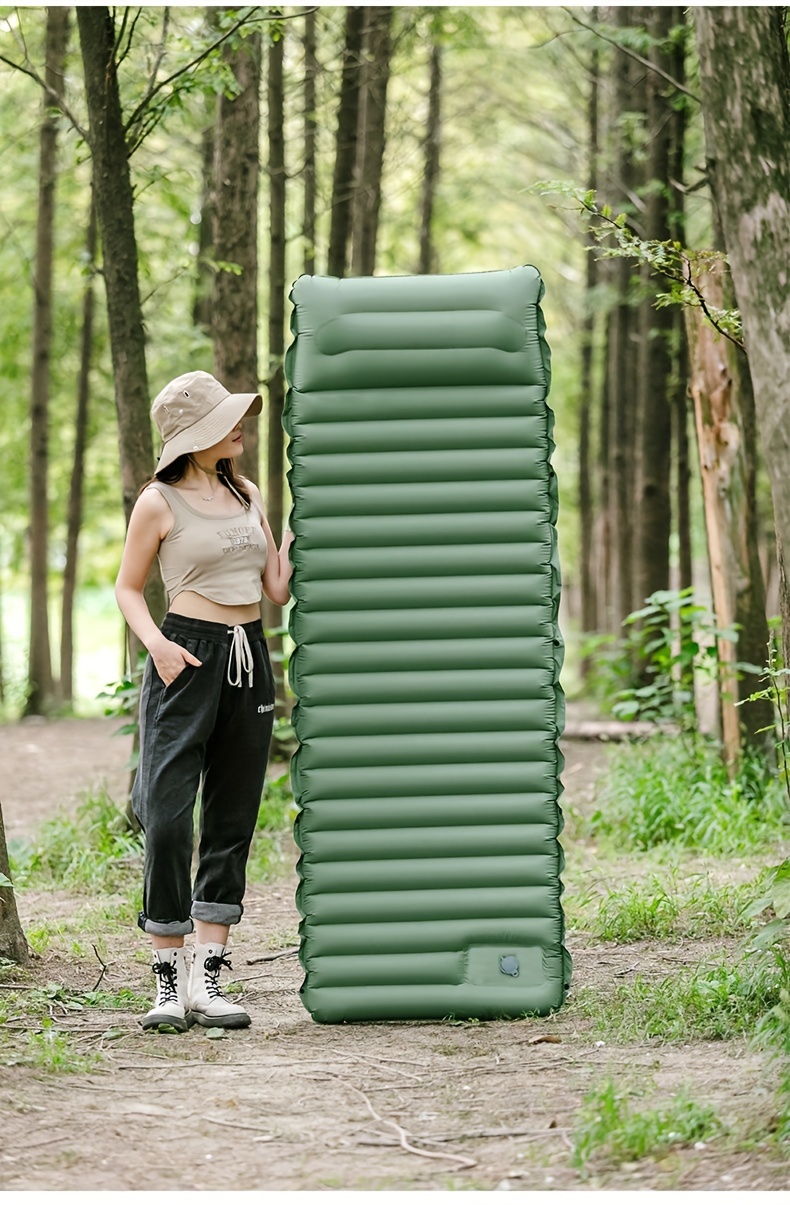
275	822
665	908
92	850
610	1129
705	1004
38	1041
675	791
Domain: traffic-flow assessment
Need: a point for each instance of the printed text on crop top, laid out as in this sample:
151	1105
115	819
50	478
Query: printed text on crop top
221	557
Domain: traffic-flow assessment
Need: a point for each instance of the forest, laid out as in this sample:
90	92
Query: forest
167	173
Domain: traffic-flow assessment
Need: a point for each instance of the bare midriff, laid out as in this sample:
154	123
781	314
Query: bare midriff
195	606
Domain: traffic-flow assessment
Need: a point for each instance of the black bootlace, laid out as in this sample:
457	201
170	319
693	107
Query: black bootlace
213	965
167	982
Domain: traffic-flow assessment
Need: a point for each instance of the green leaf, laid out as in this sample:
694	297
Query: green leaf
4	881
216	1033
773	932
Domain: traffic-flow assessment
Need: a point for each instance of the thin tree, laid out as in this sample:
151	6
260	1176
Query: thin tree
345	143
432	157
275	377
12	940
680	372
76	486
310	133
234	325
377	54
589	599
621	372
114	199
654	406
40	681
745	79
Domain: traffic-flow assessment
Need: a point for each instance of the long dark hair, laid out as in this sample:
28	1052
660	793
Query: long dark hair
172	473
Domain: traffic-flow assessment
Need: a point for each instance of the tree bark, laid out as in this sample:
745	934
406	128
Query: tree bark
680	371
272	614
371	139
725	435
40	683
236	174
202	307
115	213
622	343
586	513
74	512
430	177
745	79
346	143
12	940
653	508
310	133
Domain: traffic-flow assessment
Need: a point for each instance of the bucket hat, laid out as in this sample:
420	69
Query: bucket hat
195	411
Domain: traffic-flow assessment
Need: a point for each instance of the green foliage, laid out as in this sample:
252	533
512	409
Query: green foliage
773	1034
681	266
608	669
91	850
674	638
774	898
777	691
610	1129
673	791
50	1049
275	820
708	1003
639	910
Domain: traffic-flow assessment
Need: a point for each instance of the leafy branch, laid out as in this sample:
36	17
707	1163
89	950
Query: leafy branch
668	257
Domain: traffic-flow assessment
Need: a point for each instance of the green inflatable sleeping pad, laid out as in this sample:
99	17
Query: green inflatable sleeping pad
427	652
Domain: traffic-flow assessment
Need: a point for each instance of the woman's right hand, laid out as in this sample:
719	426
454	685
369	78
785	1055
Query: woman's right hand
170	659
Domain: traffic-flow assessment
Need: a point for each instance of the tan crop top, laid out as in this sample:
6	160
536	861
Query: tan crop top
220	557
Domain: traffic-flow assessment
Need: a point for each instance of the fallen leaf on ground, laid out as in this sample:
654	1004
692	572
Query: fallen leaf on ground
544	1037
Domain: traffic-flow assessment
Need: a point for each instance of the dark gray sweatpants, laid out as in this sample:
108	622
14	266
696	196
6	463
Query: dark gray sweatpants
201	729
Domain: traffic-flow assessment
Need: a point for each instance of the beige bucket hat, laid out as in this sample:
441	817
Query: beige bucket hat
195	411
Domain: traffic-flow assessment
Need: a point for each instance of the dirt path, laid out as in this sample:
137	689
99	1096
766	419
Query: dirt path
290	1104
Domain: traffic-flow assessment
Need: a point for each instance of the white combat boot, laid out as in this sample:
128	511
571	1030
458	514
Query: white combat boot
207	1004
171	1007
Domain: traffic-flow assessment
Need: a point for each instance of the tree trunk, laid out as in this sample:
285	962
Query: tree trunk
115	214
346	143
12	940
724	412
310	132
272	614
653	509
586	509
372	132
204	278
745	78
430	176
680	372
40	685
236	173
622	344
74	513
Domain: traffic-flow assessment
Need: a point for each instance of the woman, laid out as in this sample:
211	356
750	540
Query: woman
207	698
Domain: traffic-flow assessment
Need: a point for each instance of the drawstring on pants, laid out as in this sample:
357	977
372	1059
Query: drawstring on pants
240	656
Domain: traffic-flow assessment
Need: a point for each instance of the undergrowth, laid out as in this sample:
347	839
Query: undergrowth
90	850
666	907
675	791
707	1003
609	1128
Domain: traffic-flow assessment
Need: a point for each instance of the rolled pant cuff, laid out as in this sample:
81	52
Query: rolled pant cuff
161	928
216	914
